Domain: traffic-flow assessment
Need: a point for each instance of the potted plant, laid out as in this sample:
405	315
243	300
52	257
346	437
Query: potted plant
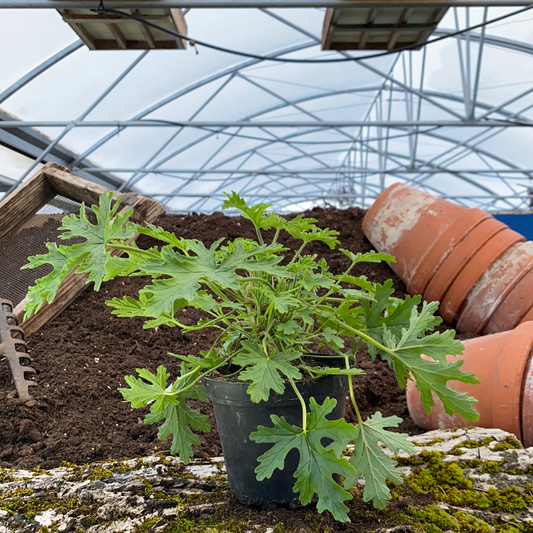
271	308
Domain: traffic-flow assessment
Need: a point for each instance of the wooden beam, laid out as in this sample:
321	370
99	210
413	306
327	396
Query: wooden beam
392	39
118	35
177	20
81	31
384	27
108	18
145	30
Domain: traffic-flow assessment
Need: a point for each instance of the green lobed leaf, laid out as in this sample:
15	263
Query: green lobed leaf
370	461
163	235
109	226
305	229
254	213
148	389
207	362
264	370
177	419
88	257
405	354
284	302
432	377
287	328
368	257
63	262
317	464
331	338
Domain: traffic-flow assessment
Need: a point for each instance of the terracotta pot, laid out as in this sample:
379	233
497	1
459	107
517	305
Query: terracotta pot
528	317
502	363
452	265
514	307
494	286
442	247
471	273
405	223
527	406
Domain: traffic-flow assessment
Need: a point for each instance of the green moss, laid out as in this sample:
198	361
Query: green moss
474	443
471	463
438	475
98	473
41	471
147	525
408	461
509	500
430	443
509	443
469	498
490	467
147	491
470	524
456	451
432	518
5	476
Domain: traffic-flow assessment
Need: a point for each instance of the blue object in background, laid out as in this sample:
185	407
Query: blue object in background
519	222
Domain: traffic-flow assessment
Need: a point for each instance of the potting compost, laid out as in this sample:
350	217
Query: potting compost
83	355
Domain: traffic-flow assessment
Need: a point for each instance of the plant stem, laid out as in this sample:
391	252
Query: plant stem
297	254
362	335
352	394
259	236
302	403
276	235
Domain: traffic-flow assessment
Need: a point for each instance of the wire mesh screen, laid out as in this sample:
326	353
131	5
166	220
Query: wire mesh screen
30	239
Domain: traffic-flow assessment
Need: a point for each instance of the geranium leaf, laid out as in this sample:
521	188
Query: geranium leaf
177	419
264	370
317	464
370	461
149	388
88	257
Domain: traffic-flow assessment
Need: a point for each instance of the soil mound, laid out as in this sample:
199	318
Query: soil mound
83	355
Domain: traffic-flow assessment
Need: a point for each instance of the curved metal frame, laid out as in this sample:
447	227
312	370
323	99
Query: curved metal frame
369	143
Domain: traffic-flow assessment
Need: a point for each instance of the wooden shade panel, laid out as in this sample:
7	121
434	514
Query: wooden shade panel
106	31
379	28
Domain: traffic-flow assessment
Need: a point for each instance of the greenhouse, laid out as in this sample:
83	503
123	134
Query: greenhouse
265	266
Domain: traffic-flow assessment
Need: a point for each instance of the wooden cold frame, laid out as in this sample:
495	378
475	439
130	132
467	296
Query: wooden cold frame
53	180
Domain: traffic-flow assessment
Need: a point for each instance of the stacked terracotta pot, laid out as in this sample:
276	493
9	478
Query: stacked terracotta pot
479	270
503	363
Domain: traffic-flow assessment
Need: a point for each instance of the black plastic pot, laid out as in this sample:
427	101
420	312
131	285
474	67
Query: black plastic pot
237	417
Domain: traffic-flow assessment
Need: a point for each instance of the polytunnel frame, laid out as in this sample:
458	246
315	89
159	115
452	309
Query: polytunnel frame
421	170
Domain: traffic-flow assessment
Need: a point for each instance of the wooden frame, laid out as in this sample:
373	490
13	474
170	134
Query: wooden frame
380	27
23	204
107	31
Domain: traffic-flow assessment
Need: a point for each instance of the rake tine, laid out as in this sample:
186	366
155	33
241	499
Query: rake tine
14	348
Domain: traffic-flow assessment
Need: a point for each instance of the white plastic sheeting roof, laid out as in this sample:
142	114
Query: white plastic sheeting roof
400	117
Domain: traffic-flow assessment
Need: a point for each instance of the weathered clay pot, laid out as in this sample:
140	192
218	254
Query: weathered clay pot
466	279
406	223
494	286
505	396
442	247
514	307
457	259
528	317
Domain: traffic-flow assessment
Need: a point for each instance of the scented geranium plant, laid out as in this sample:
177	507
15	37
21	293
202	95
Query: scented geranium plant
270	306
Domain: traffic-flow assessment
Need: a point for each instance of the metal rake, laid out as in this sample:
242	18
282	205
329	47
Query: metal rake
14	349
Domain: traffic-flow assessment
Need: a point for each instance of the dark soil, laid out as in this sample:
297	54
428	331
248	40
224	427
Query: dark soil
83	355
